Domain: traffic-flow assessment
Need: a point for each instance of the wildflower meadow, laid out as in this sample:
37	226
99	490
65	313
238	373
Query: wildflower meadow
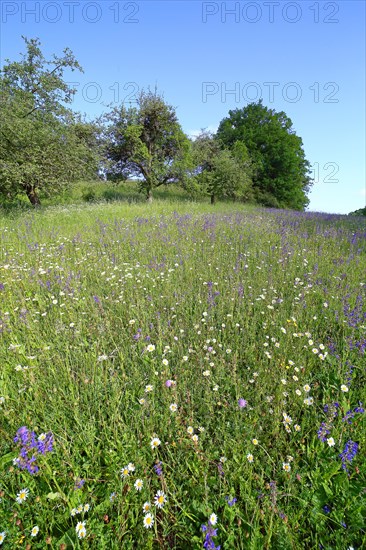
177	376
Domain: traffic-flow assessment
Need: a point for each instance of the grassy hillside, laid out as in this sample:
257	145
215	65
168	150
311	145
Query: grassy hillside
204	366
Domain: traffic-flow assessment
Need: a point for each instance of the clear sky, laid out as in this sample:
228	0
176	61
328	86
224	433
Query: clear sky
304	58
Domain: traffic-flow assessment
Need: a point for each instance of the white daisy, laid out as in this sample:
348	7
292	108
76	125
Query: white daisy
138	484
160	499
34	531
146	507
22	496
155	442
148	521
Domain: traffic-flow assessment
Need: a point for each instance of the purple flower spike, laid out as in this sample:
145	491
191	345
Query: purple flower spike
31	448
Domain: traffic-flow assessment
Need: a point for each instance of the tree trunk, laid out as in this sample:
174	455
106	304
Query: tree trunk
149	195
32	195
213	199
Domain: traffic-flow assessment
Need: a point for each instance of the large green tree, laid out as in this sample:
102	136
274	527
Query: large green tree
218	172
147	142
280	169
44	146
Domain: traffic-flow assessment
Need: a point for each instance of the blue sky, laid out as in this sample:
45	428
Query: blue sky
304	58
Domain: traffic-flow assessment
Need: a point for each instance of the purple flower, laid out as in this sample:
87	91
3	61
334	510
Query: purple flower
79	484
231	502
158	468
242	403
210	533
169	383
323	431
348	454
31	447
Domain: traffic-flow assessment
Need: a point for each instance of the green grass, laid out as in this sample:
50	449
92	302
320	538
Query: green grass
103	192
236	302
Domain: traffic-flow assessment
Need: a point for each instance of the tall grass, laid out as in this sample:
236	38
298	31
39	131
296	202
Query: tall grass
233	338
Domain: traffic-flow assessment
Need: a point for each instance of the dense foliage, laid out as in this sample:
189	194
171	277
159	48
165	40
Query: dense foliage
219	172
147	142
43	145
281	172
359	212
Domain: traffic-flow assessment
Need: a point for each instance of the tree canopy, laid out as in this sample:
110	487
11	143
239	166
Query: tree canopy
218	172
44	146
280	170
147	142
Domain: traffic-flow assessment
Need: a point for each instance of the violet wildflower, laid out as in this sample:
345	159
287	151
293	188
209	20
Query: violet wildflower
210	532
158	467
79	484
231	501
31	447
348	454
242	403
137	336
351	413
323	431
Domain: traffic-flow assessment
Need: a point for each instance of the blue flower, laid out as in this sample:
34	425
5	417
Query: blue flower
232	501
348	454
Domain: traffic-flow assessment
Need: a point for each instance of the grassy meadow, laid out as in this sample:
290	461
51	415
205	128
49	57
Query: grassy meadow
180	376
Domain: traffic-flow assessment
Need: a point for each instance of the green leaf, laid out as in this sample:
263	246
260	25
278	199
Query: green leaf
54	496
